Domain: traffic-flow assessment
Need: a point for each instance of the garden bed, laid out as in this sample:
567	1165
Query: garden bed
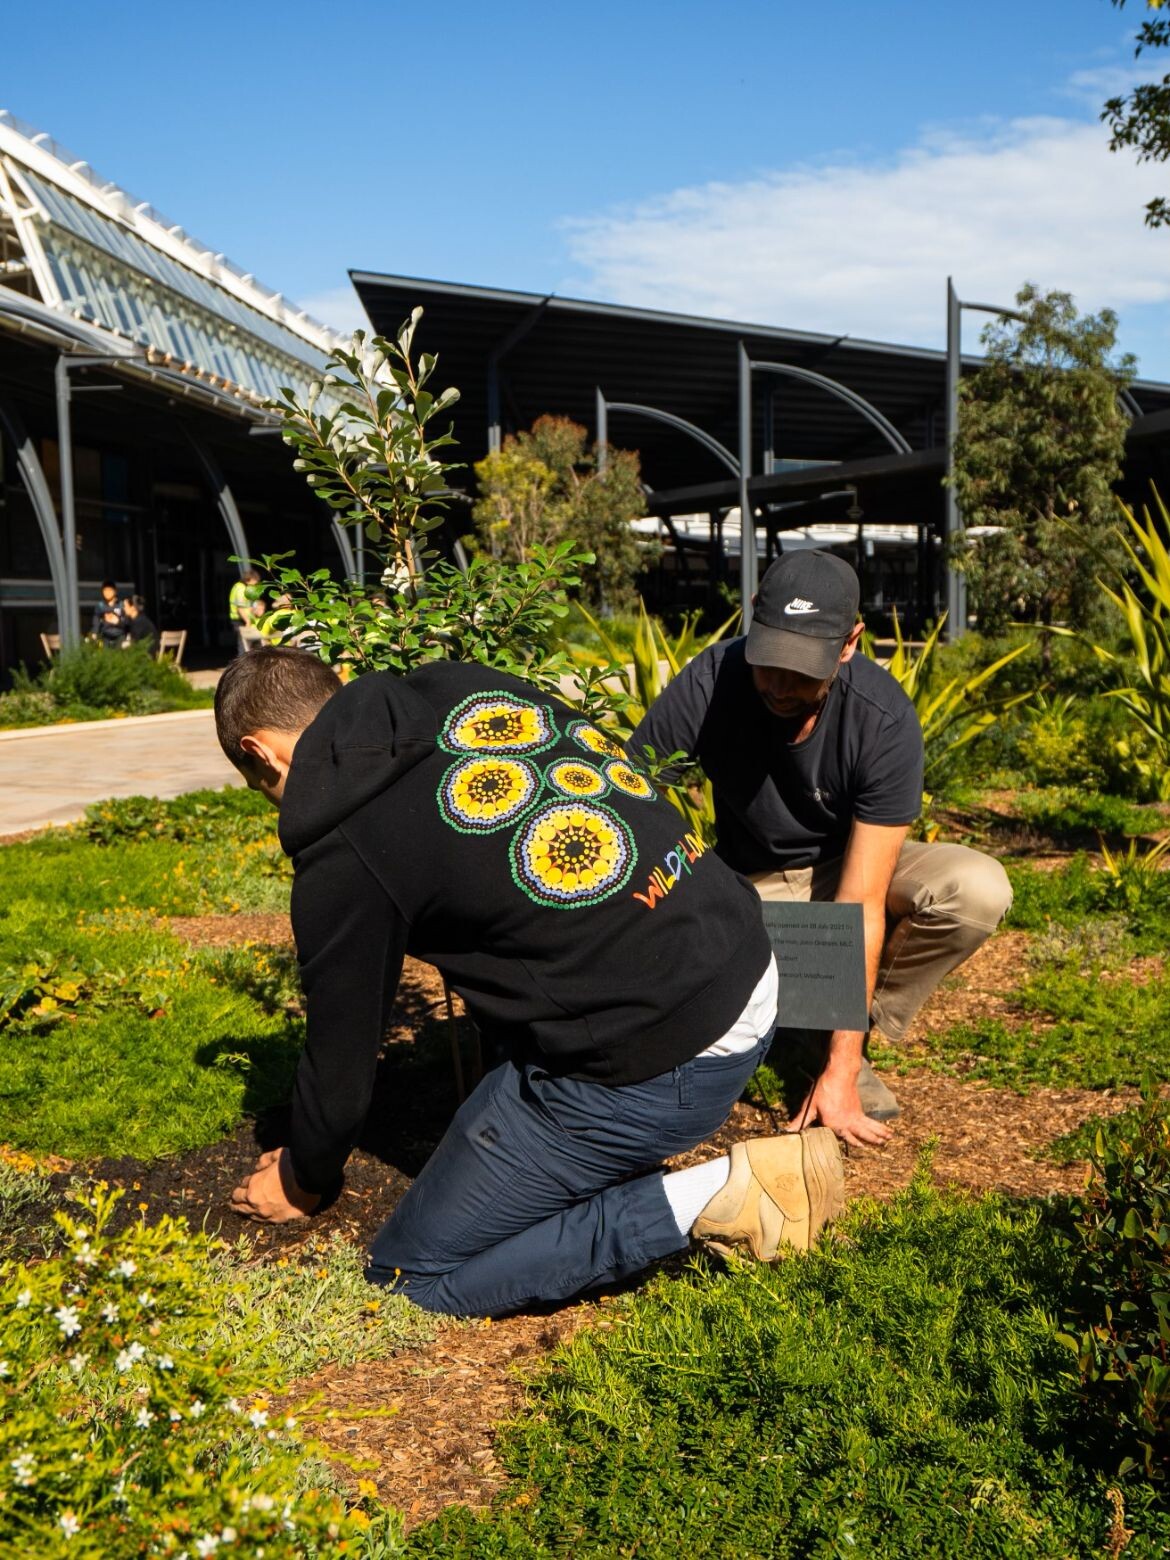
993	1075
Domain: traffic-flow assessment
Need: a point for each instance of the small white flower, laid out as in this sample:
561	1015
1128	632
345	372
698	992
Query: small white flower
164	1362
126	1268
85	1255
263	1502
128	1358
198	1408
77	1362
68	1320
259	1418
233	1405
4	1369
146	1299
290	1423
207	1545
143	1417
109	1313
24	1300
24	1469
69	1524
228	1535
81	1232
175	1416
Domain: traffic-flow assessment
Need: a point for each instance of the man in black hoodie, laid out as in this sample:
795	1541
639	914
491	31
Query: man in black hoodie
464	817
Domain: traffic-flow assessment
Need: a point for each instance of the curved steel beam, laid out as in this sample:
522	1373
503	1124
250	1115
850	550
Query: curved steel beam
224	498
345	548
33	477
843	393
683	426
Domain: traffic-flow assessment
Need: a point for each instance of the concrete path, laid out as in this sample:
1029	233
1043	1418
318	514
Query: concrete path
52	773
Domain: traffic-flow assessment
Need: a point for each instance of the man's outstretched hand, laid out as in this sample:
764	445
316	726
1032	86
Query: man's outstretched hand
270	1195
833	1102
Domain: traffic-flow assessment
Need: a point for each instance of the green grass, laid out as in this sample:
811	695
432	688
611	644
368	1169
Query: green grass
115	1037
900	1393
162	1049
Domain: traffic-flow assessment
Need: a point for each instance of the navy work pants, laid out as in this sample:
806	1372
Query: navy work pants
527	1197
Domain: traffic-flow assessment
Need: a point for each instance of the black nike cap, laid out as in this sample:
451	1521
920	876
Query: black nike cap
805	610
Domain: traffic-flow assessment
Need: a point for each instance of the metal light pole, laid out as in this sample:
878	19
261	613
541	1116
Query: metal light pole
952	520
956	581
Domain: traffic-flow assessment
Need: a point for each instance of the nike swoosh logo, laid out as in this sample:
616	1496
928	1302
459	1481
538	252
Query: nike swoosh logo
800	611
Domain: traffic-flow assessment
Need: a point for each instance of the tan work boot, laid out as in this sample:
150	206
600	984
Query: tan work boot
781	1191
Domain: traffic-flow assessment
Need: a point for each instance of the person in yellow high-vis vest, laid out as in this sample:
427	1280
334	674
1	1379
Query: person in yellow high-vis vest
244	613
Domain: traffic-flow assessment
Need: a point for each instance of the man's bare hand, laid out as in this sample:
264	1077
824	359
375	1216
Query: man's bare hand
270	1195
834	1102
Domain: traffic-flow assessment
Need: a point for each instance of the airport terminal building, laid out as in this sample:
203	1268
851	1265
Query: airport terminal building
135	443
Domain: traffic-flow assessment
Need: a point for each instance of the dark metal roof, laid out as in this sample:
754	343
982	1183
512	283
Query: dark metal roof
552	353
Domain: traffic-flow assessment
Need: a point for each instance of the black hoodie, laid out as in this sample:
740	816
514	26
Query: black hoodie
460	815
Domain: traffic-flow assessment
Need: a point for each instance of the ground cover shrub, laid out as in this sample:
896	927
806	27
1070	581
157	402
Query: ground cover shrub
22	1188
134	1424
1121	1239
92	683
1070	895
1081	1142
318	1305
1089	1033
131	1041
1065	810
227	816
900	1392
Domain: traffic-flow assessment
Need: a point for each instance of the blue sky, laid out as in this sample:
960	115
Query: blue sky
820	166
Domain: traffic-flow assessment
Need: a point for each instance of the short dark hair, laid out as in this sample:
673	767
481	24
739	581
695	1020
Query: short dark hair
139	602
108	585
275	688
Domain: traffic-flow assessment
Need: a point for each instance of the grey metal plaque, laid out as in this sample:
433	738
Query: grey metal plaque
820	954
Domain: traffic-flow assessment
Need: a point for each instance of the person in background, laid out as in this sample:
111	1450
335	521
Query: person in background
246	612
109	623
139	628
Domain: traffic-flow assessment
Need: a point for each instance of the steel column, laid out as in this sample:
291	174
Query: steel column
768	455
747	529
70	626
602	422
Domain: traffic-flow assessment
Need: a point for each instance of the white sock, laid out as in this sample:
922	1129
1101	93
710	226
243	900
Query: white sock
689	1191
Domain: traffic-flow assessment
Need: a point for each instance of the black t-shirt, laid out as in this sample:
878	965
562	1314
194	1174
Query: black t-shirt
780	803
141	630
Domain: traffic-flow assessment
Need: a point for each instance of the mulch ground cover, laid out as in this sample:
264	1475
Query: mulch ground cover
431	1441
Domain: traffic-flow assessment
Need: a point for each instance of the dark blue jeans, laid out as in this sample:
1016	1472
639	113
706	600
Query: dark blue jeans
525	1200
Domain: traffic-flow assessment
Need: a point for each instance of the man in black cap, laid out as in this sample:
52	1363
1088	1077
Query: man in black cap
815	757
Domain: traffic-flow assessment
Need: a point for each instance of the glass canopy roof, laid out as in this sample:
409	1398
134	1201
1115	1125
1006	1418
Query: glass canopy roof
95	248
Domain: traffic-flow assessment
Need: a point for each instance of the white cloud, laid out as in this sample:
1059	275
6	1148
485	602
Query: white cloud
865	248
338	307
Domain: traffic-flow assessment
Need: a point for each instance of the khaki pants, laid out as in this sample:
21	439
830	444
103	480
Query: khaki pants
944	902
